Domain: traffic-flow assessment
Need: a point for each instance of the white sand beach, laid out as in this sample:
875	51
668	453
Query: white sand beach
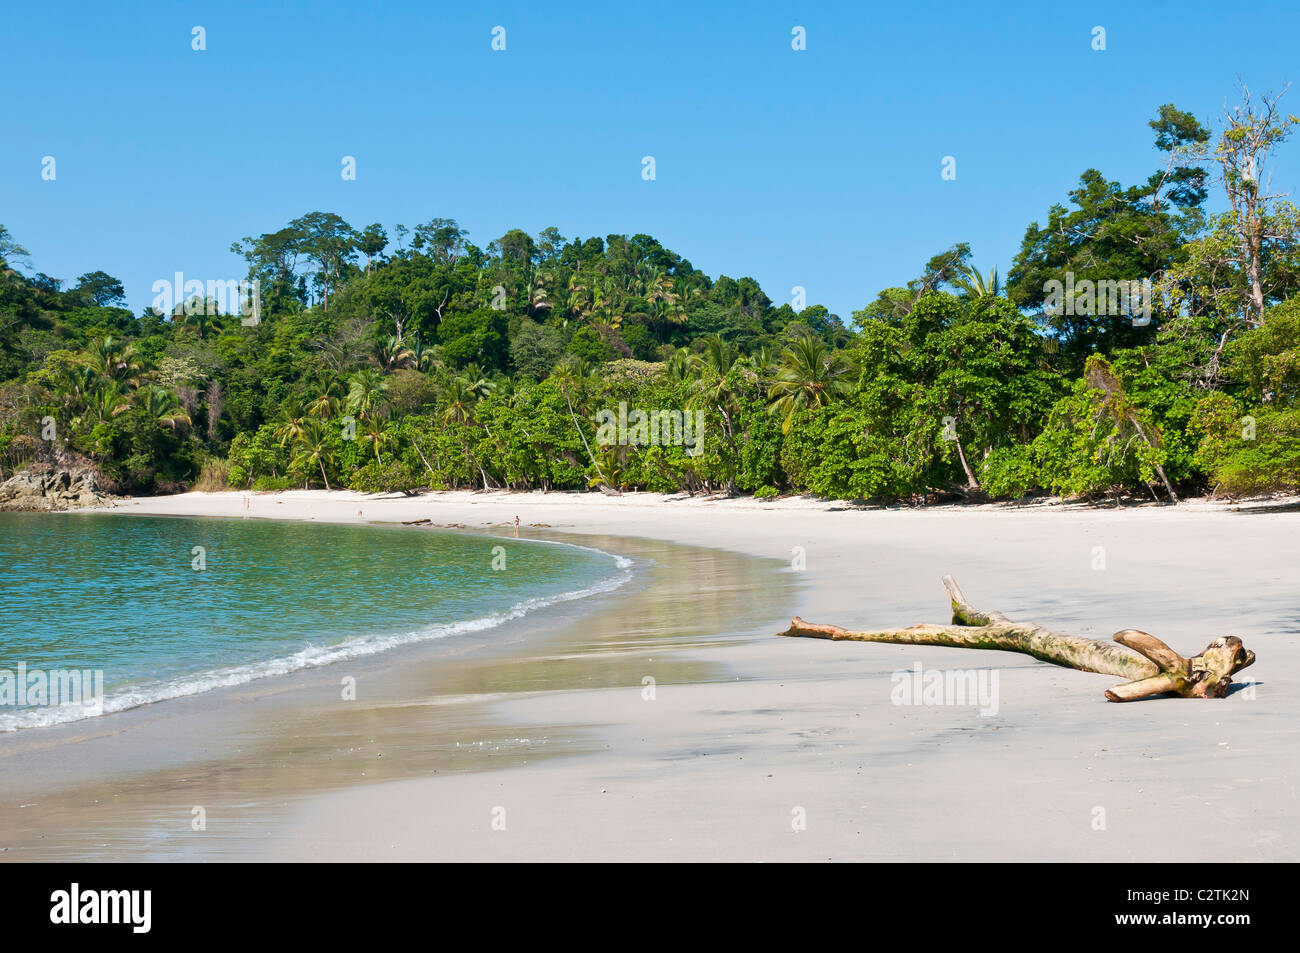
752	747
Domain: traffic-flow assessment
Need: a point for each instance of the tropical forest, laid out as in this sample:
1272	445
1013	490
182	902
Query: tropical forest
401	358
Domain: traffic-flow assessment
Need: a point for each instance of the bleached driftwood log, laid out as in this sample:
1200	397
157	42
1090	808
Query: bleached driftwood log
1152	667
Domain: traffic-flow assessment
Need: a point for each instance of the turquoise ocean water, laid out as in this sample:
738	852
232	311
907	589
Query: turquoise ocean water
122	595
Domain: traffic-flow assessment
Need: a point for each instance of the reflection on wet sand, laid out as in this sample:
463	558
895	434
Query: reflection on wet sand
128	786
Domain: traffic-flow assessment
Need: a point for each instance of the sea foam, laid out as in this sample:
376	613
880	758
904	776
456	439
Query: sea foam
309	657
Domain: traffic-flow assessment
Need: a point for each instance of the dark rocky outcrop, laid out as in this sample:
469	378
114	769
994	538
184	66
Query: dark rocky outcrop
41	488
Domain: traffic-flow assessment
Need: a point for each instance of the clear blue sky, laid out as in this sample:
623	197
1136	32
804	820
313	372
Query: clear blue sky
818	168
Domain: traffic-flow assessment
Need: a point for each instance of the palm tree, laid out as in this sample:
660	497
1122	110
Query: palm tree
376	435
116	360
710	368
366	393
314	447
763	361
200	314
678	366
810	375
568	377
326	402
605	302
537	292
163	406
647	281
423	356
107	402
460	400
664	313
578	301
477	381
610	468
716	358
104	355
975	285
713	387
659	286
75	384
392	355
293	421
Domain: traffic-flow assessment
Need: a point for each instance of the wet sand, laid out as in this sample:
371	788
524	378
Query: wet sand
125	786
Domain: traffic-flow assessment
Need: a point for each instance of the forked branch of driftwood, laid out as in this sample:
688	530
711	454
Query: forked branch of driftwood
1152	667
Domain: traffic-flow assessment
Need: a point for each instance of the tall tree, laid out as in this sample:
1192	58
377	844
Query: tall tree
330	243
100	288
1250	258
371	242
442	237
810	375
1112	234
10	250
273	260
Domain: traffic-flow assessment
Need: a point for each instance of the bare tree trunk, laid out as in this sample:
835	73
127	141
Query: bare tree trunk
1251	133
1169	487
1152	667
1100	376
1255	271
604	482
216	401
971	482
423	459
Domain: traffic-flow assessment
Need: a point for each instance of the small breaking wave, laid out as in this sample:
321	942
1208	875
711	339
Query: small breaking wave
309	657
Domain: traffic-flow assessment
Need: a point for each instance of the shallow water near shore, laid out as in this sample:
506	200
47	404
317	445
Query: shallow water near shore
170	607
124	786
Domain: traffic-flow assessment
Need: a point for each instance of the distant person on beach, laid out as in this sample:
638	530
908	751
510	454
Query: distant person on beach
516	525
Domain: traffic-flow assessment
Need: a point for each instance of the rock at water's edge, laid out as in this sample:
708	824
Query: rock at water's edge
31	491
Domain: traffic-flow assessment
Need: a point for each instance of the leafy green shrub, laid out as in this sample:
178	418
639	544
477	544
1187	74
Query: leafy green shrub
535	348
477	337
1010	472
642	342
1257	451
274	483
388	477
834	452
587	345
214	475
256	454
